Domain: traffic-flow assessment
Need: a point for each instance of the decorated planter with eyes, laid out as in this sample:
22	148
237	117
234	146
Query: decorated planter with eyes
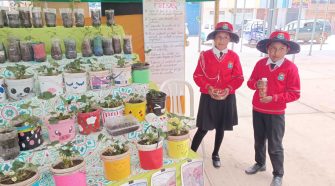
62	131
2	90
100	80
89	122
53	84
18	89
75	82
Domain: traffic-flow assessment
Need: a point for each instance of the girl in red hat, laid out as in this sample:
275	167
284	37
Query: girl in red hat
218	74
276	81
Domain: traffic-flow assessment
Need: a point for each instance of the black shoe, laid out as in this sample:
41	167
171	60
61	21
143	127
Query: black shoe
276	181
216	161
255	168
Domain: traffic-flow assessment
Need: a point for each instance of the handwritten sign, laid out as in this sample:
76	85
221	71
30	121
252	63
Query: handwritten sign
164	32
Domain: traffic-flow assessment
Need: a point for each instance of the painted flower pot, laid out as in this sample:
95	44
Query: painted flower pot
136	109
100	80
116	167
151	156
18	89
89	122
156	105
3	97
141	73
74	176
63	131
29	138
107	114
122	76
178	146
9	143
33	181
75	82
53	84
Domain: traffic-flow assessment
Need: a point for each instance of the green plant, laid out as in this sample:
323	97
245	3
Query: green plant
89	104
74	66
121	63
27	119
46	95
67	154
19	71
95	67
178	124
110	102
63	115
135	98
49	70
116	147
151	137
155	93
19	172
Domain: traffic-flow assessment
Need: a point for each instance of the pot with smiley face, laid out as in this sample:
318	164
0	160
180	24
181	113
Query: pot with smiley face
75	77
50	79
61	127
21	85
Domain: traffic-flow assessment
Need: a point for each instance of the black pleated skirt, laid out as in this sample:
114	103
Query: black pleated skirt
215	114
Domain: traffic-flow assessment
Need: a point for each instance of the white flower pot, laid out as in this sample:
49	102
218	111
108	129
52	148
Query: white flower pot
122	76
2	90
108	114
75	82
18	89
53	84
100	80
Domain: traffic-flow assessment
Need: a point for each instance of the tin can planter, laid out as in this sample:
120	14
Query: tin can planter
19	89
9	143
53	84
75	176
89	122
107	114
178	146
100	80
32	181
151	156
122	76
75	82
116	167
156	103
3	97
136	109
141	73
63	131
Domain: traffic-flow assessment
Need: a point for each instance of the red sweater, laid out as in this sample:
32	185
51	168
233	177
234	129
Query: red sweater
283	86
219	73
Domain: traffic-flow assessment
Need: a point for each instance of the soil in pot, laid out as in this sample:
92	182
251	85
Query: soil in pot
70	49
107	44
110	17
56	50
13	19
2	53
86	49
117	44
27	51
14	51
29	174
37	17
50	17
60	165
3	15
127	45
39	52
97	46
66	17
79	17
96	17
25	17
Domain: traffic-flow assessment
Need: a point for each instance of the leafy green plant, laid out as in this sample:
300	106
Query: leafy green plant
110	102
49	70
27	119
116	147
155	93
67	154
46	95
151	135
19	172
89	104
95	67
135	98
121	63
178	124
63	115
74	66
19	71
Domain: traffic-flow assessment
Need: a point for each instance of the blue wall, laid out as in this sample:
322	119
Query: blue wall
193	18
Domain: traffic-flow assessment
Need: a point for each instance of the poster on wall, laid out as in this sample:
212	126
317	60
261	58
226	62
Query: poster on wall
164	33
141	182
165	177
192	173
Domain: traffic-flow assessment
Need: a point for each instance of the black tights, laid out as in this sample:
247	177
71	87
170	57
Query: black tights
200	134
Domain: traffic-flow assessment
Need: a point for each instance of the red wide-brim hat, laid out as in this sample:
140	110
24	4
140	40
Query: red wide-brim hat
279	36
224	27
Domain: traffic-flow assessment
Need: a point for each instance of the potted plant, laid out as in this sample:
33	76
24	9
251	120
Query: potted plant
156	102
116	159
28	127
136	106
75	77
140	72
50	78
21	174
70	170
178	138
61	124
9	143
22	85
150	148
121	73
3	97
111	107
88	115
99	76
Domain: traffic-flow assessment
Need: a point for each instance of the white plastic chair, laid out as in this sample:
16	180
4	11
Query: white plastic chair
175	88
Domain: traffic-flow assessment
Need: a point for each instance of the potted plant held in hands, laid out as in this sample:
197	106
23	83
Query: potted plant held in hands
99	76
88	116
116	159
121	73
75	77
156	102
150	148
111	107
70	170
21	86
136	106
21	174
50	78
